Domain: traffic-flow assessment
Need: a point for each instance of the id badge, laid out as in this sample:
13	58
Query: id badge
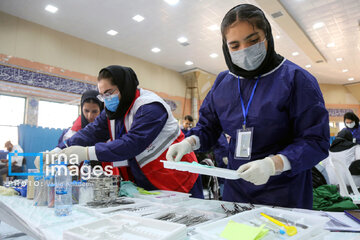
244	139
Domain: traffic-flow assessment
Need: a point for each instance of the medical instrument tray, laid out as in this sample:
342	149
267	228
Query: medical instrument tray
308	226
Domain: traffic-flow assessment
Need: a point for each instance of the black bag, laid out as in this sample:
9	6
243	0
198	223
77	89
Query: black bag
317	178
354	168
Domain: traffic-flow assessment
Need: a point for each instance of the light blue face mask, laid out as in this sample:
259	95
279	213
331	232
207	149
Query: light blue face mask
249	58
112	102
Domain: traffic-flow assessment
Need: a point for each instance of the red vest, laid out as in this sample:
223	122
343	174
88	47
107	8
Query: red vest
158	176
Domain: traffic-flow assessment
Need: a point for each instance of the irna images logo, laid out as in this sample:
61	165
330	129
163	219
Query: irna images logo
60	163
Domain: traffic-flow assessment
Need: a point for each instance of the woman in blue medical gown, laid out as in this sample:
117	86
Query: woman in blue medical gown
273	110
352	124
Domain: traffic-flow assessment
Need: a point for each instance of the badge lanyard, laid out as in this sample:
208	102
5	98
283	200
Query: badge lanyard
245	111
352	132
245	135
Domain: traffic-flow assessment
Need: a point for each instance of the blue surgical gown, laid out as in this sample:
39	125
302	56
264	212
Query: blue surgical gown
221	150
289	117
148	122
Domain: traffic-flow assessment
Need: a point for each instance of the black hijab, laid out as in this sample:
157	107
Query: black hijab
246	12
89	94
343	141
126	81
352	116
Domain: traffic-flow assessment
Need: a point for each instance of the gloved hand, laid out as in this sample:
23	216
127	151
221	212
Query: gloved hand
257	172
225	160
46	155
178	150
71	152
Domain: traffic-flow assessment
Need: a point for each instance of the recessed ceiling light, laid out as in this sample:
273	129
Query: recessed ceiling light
295	53
339	59
318	25
138	18
156	50
351	79
214	27
182	39
214	55
189	63
345	70
172	2
277	36
112	32
329	45
308	66
51	8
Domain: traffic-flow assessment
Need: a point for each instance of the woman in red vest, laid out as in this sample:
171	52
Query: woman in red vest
141	128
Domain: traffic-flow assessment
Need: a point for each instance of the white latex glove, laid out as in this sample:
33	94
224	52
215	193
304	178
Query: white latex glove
178	150
257	172
46	155
70	152
225	160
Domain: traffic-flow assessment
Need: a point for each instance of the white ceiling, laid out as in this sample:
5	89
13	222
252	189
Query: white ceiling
163	24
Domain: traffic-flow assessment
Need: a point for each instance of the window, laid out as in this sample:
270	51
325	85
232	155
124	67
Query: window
57	115
12	111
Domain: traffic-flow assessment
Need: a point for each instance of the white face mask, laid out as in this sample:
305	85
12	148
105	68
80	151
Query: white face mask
350	125
249	58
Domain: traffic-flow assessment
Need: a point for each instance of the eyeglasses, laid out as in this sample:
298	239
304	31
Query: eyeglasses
102	97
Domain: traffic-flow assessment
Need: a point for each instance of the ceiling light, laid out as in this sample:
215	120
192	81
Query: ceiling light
345	70
277	36
295	53
138	18
214	55
51	8
339	59
308	66
182	39
112	32
172	2
189	63
329	45
214	27
318	25
351	79
156	50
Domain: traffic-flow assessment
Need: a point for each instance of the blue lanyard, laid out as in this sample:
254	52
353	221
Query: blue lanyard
245	111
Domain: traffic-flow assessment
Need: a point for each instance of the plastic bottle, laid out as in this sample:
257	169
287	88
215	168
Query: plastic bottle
63	194
85	171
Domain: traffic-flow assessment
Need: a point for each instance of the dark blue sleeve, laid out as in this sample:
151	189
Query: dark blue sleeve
148	122
97	131
62	135
208	129
221	148
310	125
